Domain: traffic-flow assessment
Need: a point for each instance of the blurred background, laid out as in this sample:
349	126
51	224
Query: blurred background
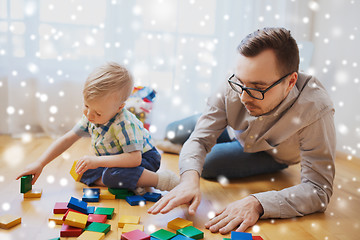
183	49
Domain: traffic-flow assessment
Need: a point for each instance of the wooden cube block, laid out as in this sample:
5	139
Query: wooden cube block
8	221
91	194
25	183
257	238
241	236
131	227
105	194
75	176
75	219
57	218
152	197
105	211
60	208
135	235
121	193
124	219
33	193
98	227
90	209
191	232
135	200
87	235
67	212
163	234
77	205
178	223
68	231
97	218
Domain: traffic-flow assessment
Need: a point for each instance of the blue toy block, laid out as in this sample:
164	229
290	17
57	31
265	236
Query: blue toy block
135	200
181	237
90	210
77	205
91	194
152	197
241	236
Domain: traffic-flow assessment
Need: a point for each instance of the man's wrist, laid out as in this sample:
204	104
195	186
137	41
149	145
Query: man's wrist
259	208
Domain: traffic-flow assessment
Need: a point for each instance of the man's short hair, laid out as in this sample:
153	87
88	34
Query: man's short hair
278	39
107	79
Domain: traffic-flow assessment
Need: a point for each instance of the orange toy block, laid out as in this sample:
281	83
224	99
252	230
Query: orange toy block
76	176
105	194
131	227
88	235
178	223
33	193
57	218
9	221
126	219
75	219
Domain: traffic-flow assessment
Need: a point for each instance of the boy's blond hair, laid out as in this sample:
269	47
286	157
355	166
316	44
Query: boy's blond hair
107	79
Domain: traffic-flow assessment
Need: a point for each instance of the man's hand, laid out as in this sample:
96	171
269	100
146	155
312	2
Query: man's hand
85	163
187	192
34	169
240	214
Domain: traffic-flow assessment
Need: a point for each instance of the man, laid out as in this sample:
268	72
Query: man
280	117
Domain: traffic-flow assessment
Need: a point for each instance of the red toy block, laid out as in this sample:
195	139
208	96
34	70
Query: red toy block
135	235
68	231
97	218
257	238
60	208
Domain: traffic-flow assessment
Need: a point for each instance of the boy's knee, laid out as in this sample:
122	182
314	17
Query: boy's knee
109	179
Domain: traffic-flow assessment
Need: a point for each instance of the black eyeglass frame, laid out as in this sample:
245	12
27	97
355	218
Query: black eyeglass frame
246	89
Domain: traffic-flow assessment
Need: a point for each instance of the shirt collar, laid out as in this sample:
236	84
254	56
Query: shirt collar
103	128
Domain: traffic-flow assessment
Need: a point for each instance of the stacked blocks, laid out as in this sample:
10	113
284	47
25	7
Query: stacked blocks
33	193
135	200
91	194
191	232
9	221
25	183
77	205
75	176
75	219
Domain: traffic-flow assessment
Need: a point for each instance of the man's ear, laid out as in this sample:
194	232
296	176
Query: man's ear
293	79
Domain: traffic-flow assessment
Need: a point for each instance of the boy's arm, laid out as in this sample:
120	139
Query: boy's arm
123	160
55	149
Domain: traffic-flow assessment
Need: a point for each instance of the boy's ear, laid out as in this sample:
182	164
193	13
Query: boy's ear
121	106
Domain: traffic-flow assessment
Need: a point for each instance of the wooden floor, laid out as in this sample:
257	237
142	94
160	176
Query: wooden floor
340	221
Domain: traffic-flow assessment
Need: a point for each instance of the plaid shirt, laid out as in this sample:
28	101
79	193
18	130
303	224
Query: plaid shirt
123	133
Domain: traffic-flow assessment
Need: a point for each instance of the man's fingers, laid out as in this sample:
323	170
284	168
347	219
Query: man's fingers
231	225
159	205
214	220
220	224
194	205
244	225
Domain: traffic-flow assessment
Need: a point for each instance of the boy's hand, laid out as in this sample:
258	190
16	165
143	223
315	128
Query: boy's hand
34	169
85	163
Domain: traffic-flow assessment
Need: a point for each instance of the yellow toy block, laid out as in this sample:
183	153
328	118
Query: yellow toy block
130	227
75	219
33	193
9	221
126	219
88	235
105	194
57	218
178	223
76	176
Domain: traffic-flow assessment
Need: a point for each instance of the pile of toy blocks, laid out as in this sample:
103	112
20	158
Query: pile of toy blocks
26	187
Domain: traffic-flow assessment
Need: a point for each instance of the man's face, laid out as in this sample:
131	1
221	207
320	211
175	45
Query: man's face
260	72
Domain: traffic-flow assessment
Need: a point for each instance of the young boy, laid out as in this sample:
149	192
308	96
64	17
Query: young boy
124	153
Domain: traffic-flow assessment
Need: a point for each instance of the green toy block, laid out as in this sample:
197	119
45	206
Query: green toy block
98	227
163	234
120	193
191	232
26	183
105	211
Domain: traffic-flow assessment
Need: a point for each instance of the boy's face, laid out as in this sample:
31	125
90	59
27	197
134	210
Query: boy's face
101	110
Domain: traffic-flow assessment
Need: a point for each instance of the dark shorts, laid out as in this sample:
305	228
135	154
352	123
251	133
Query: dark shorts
123	177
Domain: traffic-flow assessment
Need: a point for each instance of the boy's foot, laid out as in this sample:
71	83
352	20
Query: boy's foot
167	180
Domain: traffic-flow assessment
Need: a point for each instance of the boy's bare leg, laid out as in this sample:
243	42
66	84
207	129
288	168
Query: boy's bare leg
148	179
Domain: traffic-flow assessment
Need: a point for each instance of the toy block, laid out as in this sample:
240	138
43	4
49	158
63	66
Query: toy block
91	194
75	176
97	218
87	235
178	223
152	197
181	237
257	238
57	218
226	238
241	236
55	239
98	227
121	193
163	234
68	231
25	183
105	211
131	227
77	205
191	232
67	212
9	221
135	235
33	193
75	219
135	200
124	219
60	208
90	209
105	194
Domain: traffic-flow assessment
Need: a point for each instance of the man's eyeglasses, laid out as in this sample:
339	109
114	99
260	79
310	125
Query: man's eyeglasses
253	92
